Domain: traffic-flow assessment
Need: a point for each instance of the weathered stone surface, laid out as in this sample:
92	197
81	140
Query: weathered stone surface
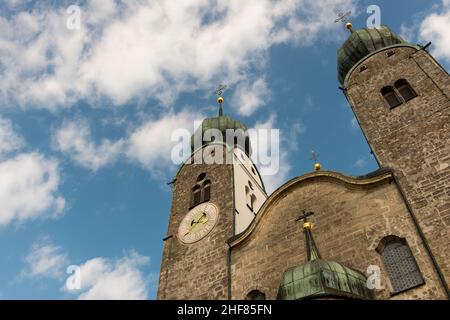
351	217
199	270
413	138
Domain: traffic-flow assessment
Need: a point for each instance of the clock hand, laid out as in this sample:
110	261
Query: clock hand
202	219
199	219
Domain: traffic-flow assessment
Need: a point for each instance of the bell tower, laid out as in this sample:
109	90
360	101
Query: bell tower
217	193
400	96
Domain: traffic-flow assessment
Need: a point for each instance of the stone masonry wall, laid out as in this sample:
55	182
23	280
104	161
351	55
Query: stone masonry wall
348	223
199	270
413	138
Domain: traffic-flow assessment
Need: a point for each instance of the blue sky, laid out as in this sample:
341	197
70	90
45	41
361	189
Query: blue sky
86	117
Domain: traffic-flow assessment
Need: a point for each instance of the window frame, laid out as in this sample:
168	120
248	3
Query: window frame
206	186
403	83
255	293
395	279
196	191
388	91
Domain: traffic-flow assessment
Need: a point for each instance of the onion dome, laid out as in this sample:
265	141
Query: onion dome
237	131
361	43
319	278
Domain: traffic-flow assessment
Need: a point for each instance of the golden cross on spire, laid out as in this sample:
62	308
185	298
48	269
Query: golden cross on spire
304	216
311	248
314	157
219	90
342	16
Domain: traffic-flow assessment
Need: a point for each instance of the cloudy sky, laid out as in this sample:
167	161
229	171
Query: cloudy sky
86	114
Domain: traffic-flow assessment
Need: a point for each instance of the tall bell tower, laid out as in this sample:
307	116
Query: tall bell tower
400	96
217	193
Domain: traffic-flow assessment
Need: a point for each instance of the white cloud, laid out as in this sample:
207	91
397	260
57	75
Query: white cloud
291	138
101	278
29	188
407	32
107	279
360	163
150	144
29	181
9	140
45	259
249	97
126	50
434	28
74	139
272	182
288	142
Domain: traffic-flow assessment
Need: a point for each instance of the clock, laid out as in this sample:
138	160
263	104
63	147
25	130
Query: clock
198	222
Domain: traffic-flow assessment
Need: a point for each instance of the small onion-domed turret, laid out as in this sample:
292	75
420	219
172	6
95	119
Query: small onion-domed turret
223	124
229	131
361	43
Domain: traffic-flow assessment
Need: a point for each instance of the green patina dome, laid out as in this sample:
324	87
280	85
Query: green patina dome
320	279
361	43
222	123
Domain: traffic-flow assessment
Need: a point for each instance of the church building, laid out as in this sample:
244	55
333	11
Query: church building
326	235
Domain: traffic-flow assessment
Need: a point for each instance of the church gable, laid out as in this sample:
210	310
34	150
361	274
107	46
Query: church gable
351	216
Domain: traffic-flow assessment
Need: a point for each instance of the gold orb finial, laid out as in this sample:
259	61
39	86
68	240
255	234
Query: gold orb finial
307	225
220	100
349	26
317	166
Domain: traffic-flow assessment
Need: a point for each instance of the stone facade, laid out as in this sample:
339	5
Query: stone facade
350	218
414	138
198	270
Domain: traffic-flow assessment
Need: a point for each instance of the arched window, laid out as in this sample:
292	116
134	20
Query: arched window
405	89
196	195
256	295
247	145
400	264
206	190
250	196
247	194
252	202
201	176
390	96
201	192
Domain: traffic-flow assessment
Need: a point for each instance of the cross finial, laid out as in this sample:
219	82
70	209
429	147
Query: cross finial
342	16
304	215
219	90
311	249
314	157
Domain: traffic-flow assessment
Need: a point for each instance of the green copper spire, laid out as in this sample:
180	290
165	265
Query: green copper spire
318	278
311	248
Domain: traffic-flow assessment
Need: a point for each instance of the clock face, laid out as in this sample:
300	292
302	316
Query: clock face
198	222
